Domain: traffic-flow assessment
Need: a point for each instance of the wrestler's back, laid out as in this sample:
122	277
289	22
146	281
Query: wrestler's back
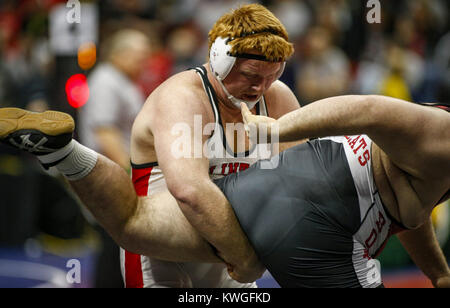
310	217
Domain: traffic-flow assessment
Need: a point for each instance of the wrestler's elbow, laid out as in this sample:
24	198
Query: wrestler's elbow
413	222
188	193
381	108
413	216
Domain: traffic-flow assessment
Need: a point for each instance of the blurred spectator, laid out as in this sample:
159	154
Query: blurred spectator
176	12
209	11
29	74
115	99
107	118
334	16
295	15
26	65
117	9
159	65
183	44
424	21
442	65
158	68
324	69
6	87
398	73
394	83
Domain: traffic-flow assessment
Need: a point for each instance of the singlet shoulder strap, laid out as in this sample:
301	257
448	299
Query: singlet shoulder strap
209	90
262	107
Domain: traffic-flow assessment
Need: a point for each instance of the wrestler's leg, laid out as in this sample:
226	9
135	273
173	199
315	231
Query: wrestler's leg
154	227
108	194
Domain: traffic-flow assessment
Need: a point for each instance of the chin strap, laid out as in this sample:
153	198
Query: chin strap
235	101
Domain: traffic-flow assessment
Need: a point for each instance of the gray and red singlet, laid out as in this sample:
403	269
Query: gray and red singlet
316	219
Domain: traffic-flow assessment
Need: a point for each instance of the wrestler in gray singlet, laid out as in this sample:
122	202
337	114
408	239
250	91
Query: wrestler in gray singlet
316	220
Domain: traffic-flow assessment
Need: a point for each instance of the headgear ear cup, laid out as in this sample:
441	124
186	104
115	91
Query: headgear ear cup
222	62
219	58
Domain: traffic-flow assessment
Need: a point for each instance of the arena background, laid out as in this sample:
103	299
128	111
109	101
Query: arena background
49	47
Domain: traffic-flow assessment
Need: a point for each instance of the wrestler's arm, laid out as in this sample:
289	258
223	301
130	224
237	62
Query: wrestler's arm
280	101
396	126
424	249
413	138
187	178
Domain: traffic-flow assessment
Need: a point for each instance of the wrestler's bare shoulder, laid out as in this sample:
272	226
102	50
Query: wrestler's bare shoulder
280	99
182	92
186	83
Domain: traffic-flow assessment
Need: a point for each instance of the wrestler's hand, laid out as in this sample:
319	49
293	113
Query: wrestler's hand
253	123
248	272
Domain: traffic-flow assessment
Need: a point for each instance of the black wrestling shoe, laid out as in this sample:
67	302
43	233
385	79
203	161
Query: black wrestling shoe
37	133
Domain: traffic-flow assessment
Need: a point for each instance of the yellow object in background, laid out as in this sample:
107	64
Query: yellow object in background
395	86
87	55
441	222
